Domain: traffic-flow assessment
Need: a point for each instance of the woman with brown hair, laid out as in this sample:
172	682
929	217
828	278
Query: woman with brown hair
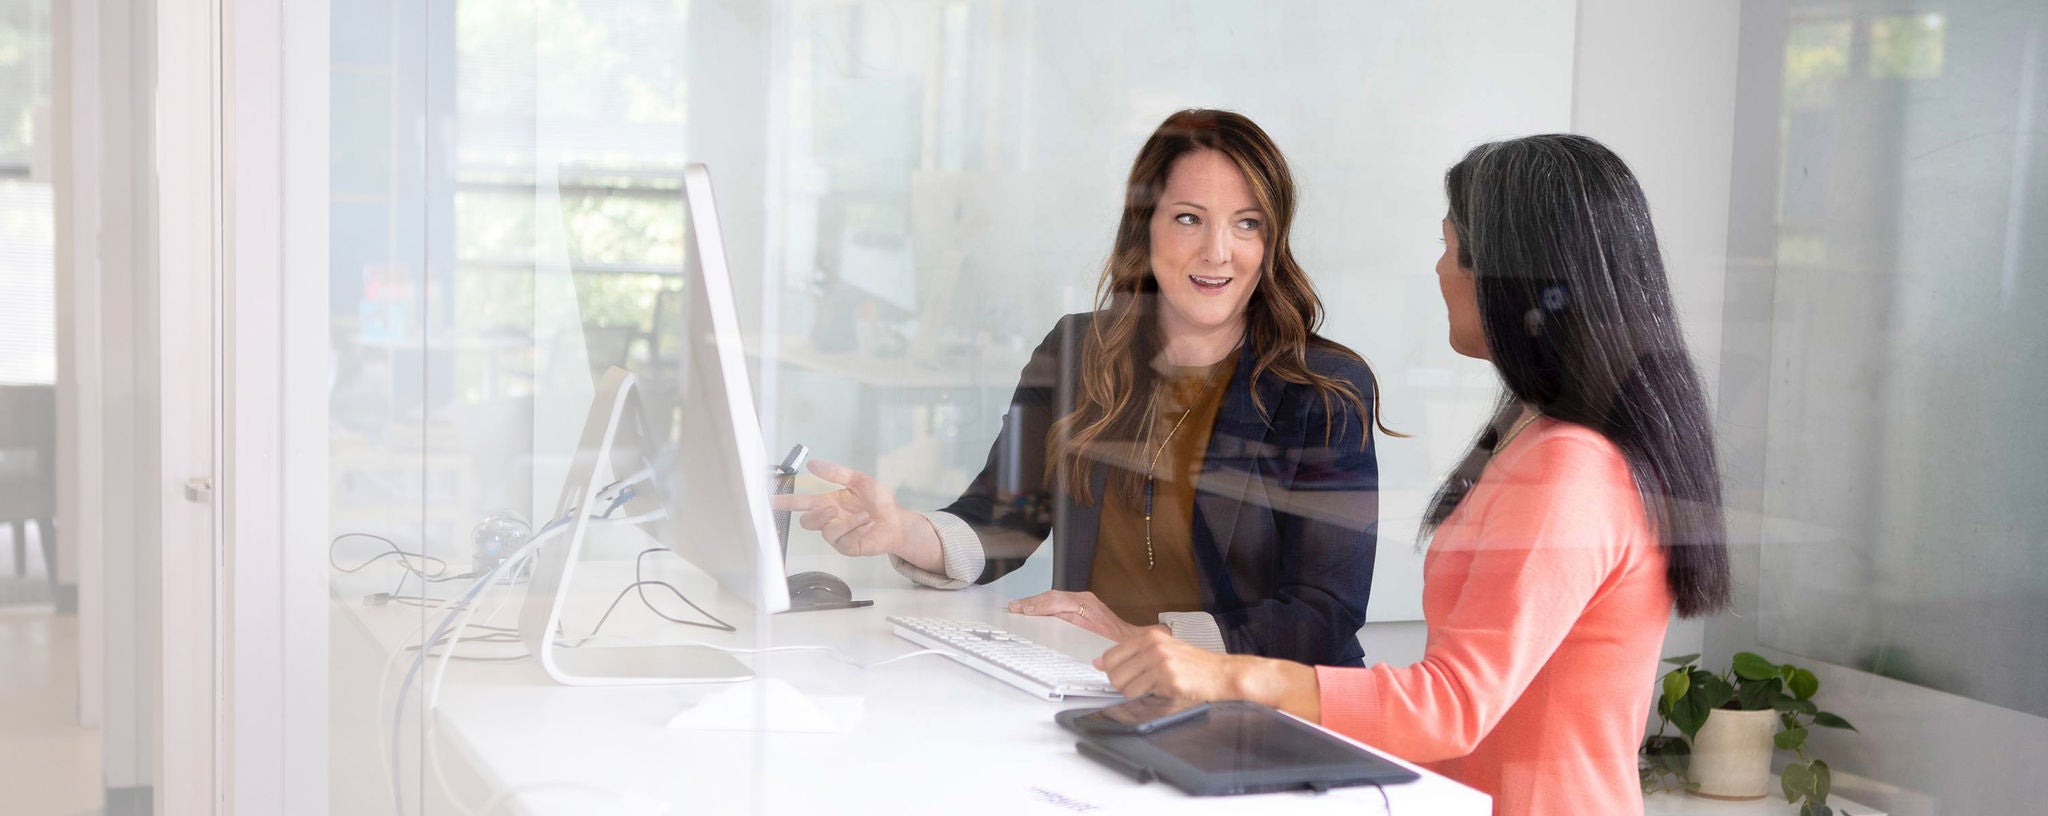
1202	458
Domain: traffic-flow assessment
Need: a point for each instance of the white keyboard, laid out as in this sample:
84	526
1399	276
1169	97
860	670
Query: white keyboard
1007	657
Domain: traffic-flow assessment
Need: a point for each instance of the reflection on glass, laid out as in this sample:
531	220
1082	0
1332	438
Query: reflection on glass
1905	533
913	193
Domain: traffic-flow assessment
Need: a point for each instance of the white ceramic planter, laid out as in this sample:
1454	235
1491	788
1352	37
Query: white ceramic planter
1731	755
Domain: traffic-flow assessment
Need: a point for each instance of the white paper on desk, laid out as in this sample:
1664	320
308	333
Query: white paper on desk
766	704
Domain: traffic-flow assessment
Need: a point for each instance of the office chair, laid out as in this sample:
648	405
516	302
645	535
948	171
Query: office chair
28	469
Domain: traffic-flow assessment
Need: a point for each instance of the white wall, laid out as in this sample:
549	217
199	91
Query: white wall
1655	82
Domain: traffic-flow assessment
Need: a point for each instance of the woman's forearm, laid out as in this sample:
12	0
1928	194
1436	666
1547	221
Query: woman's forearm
1282	684
921	543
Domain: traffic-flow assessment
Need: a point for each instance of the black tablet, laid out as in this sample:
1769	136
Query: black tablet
1240	747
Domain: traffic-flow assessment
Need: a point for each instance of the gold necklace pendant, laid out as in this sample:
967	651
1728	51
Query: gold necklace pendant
1152	468
1151	472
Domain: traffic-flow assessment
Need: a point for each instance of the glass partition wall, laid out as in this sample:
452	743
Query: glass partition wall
912	193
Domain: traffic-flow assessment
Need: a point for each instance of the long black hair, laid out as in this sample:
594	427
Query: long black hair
1579	323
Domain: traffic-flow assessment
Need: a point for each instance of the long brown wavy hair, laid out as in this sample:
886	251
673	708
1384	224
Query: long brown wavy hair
1281	319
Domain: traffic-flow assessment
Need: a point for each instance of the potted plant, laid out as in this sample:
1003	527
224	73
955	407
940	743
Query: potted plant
1731	722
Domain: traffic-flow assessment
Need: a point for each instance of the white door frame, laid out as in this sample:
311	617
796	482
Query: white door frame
273	362
272	75
140	233
188	151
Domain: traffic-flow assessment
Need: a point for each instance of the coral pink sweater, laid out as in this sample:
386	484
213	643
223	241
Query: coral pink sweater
1545	599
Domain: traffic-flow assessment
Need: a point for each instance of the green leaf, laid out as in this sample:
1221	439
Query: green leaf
1682	660
1752	666
1754	695
1690	713
1815	809
1668	755
1796	781
1679	762
1823	782
1708	692
1802	684
1675	685
1797	706
1708	686
1827	720
1790	739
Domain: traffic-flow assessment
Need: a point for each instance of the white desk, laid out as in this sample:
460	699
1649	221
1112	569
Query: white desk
1681	804
933	736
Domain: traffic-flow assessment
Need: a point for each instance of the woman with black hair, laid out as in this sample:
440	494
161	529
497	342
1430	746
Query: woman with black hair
1586	512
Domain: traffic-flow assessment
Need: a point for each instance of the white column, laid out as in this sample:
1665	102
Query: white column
125	252
306	345
182	376
254	543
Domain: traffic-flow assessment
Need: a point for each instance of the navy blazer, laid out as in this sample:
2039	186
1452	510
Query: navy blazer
1286	513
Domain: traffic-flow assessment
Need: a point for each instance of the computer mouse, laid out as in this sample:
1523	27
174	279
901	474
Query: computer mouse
818	587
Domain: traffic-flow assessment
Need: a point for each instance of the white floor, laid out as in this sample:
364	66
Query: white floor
49	765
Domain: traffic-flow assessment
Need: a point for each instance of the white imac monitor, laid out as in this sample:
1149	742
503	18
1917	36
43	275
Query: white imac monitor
709	478
717	485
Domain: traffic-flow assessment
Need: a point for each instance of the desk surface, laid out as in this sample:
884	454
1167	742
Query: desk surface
932	736
1682	804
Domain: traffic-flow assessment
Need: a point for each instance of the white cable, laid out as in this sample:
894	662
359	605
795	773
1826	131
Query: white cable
431	721
483	581
502	600
610	493
384	749
448	652
433	696
643	518
431	727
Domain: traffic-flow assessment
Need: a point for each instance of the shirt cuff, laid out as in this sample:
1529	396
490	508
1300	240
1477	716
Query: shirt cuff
1349	699
959	550
1196	629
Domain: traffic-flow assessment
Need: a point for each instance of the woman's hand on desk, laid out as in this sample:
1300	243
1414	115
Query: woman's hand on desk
1155	662
1081	609
863	519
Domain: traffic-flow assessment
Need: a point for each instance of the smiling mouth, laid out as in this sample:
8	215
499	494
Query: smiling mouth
1207	284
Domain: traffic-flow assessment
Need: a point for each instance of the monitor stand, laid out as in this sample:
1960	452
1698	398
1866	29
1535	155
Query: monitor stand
540	620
